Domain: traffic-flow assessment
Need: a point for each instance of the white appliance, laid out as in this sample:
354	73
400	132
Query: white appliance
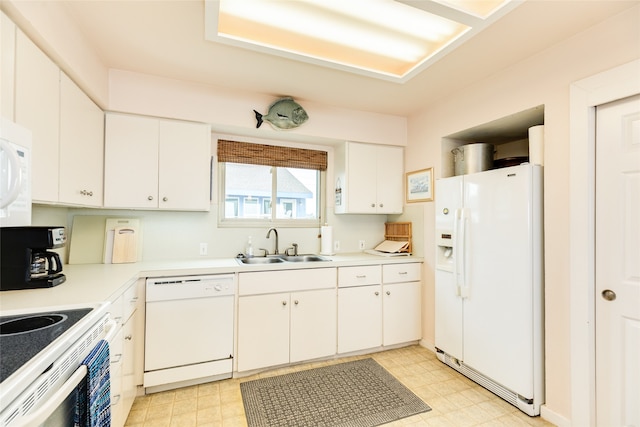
489	281
41	362
189	330
15	174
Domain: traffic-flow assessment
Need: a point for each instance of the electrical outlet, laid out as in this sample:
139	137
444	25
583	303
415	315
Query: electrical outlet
203	248
361	244
336	245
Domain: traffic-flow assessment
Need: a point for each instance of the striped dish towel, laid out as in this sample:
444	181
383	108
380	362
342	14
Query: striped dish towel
94	394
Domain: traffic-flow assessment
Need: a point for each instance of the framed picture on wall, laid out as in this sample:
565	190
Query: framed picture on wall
419	185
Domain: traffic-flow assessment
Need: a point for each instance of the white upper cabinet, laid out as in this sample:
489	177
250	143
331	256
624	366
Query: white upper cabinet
185	164
67	129
81	146
37	108
152	163
7	66
131	161
369	179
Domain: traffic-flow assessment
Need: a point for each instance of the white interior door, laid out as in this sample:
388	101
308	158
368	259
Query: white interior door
617	276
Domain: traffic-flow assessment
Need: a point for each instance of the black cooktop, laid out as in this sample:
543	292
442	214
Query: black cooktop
23	336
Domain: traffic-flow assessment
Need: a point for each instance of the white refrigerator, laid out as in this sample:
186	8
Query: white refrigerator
489	317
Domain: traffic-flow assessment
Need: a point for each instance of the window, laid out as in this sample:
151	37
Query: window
269	184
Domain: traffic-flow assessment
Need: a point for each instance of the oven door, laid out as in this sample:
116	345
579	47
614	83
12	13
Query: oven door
51	399
59	409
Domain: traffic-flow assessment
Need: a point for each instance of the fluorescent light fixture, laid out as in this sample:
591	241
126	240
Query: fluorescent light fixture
388	39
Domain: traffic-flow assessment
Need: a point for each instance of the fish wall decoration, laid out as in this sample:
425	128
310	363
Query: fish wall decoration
285	113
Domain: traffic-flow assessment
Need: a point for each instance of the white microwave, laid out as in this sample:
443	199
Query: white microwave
15	174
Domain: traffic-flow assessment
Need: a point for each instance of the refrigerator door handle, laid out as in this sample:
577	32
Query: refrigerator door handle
458	262
462	287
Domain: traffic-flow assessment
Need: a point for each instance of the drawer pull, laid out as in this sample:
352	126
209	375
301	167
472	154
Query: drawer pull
402	272
363	276
128	337
116	359
376	293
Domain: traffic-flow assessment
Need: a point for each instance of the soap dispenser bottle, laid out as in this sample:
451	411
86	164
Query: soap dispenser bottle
249	249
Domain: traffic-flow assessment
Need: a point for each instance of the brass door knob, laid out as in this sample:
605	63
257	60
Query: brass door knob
609	295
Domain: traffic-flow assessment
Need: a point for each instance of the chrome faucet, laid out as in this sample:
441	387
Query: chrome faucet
275	251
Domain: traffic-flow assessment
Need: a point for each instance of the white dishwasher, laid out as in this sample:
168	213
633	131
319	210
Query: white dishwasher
189	330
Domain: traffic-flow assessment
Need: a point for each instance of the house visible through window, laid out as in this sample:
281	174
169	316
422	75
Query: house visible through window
253	176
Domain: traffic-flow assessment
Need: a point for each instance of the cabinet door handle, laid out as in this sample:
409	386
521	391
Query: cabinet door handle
164	199
284	303
376	293
296	302
150	198
373	205
382	205
116	358
128	337
388	293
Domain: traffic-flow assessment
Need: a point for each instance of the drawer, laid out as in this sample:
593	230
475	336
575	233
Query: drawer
116	311
397	273
130	300
115	352
359	275
267	282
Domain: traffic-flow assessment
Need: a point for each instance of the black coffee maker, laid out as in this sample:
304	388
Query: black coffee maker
26	262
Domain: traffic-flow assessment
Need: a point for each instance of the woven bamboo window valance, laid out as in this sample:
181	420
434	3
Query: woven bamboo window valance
271	155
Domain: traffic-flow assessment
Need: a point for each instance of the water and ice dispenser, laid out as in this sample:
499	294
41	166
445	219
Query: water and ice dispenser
444	252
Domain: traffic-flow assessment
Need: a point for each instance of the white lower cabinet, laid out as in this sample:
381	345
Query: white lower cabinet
285	316
125	369
401	313
312	324
263	331
378	306
401	290
359	308
359	318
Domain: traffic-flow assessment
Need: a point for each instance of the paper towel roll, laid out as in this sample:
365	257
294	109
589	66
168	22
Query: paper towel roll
536	145
326	240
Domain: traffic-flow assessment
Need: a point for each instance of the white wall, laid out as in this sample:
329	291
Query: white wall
541	79
232	110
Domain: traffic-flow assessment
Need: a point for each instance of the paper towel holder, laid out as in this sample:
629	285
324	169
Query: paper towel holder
326	240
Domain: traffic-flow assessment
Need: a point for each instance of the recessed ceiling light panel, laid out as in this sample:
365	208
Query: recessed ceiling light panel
381	38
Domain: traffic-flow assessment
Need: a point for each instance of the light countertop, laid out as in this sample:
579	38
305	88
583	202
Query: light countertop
91	283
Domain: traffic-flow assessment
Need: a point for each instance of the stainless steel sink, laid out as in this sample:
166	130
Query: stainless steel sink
260	260
274	259
304	258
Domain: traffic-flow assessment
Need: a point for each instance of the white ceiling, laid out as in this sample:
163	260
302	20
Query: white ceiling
166	38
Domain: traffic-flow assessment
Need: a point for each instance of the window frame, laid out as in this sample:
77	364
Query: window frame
273	221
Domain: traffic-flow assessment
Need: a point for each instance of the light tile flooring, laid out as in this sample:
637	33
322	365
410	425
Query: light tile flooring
454	399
